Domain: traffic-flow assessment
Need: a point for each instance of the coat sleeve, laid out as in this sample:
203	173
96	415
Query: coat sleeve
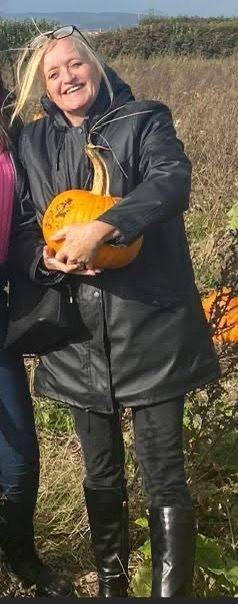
164	180
26	246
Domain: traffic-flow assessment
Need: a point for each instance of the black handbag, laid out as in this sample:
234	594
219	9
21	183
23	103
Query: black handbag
41	318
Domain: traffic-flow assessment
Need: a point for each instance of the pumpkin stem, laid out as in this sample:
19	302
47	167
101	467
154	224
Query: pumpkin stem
101	176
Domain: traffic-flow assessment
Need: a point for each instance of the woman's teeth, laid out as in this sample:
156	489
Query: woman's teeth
74	88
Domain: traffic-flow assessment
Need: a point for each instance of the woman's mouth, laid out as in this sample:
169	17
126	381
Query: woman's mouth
74	88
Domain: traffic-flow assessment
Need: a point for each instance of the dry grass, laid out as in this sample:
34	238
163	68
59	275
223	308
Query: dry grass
60	521
61	524
202	95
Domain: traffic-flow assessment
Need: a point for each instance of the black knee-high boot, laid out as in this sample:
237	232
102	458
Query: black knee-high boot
108	519
173	535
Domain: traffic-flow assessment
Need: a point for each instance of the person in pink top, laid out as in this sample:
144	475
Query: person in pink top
19	456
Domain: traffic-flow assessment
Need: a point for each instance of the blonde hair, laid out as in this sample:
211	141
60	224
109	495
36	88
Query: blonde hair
28	78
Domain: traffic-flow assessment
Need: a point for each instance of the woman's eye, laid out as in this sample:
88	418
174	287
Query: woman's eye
77	64
53	75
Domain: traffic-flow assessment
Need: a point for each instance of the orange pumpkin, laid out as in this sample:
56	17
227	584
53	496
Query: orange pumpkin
77	206
221	304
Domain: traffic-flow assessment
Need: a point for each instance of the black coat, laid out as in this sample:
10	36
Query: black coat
149	339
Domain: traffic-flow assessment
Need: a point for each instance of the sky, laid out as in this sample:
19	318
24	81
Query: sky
167	7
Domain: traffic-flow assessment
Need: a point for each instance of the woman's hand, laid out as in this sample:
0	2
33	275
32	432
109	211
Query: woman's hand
52	264
81	243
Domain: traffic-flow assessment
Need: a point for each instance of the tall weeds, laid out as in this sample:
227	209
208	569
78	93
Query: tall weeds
202	95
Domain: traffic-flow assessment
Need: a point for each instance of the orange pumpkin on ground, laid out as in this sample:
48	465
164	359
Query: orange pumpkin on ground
220	304
77	206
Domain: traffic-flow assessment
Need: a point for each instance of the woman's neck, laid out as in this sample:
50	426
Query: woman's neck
75	120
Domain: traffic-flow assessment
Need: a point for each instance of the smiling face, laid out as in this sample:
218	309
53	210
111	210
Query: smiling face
72	79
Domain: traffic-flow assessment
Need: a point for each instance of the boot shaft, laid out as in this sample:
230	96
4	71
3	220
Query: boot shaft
173	538
108	519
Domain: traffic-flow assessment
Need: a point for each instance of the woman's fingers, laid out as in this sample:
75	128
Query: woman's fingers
89	271
60	234
59	262
80	244
48	252
62	256
52	264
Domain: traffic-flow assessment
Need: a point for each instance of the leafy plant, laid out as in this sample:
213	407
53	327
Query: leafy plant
210	560
232	215
53	418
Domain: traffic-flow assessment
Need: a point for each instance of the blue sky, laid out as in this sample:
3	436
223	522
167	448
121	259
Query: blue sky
189	7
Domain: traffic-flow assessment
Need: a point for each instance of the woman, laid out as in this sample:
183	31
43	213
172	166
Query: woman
19	455
148	342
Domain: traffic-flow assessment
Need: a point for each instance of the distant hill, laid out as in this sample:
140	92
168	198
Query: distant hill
89	21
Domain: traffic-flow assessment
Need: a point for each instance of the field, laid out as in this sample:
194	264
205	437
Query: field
202	95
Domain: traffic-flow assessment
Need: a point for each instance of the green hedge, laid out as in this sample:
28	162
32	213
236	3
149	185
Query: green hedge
15	33
180	37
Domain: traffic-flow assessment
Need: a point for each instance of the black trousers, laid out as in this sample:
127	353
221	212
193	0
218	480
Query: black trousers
158	431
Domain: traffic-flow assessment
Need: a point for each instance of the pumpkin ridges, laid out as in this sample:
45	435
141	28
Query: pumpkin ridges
69	214
78	206
64	207
120	256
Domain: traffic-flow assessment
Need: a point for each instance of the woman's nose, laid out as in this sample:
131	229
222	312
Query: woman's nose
68	76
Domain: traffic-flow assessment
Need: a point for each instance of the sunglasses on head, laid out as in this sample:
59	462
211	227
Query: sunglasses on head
64	32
